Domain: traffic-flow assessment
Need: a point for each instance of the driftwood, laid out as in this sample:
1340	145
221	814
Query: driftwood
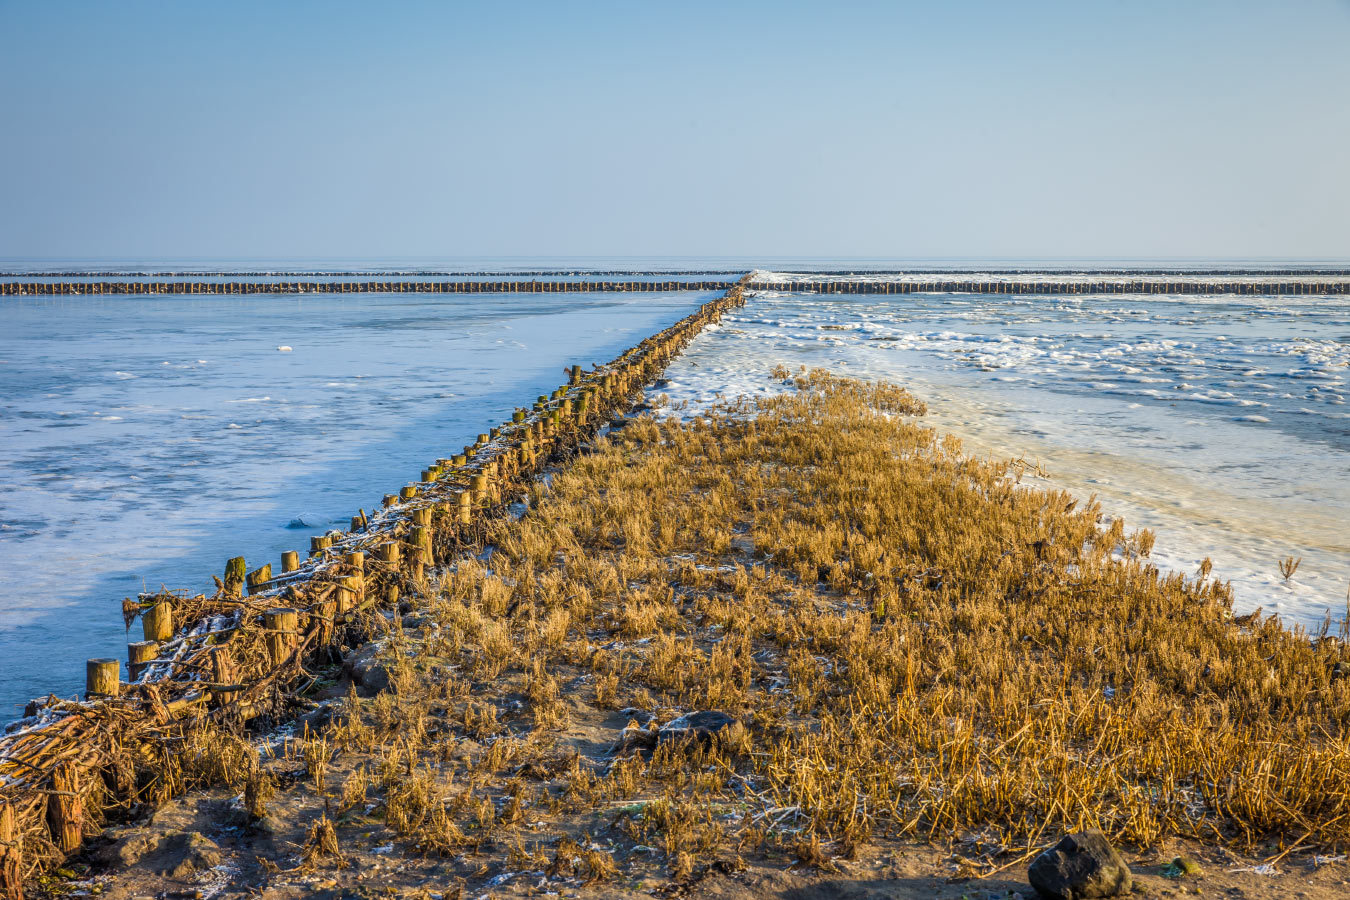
242	653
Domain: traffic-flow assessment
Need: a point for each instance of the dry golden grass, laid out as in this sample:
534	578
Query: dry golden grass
914	645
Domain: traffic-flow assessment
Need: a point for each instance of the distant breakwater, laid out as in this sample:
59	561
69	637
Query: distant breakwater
1019	284
48	288
1246	287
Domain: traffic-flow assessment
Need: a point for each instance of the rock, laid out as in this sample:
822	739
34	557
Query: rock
365	667
1081	866
1187	866
702	727
641	716
176	854
181	853
131	849
632	740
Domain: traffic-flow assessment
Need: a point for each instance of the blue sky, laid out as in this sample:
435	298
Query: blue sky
958	129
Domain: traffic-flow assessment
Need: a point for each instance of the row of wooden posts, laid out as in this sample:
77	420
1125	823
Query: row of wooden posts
207	657
1083	286
1337	286
51	288
1079	286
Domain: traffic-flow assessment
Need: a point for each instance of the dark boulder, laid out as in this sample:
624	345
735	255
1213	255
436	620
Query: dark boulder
1082	866
700	727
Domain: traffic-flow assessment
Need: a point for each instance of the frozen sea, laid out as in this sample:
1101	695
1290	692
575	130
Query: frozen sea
143	441
1220	422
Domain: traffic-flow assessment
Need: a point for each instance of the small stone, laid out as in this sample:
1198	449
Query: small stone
365	667
1082	866
702	727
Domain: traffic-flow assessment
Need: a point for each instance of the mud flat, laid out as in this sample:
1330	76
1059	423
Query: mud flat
799	647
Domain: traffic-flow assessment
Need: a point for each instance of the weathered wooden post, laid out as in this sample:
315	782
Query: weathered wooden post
465	508
290	561
235	574
65	808
258	578
282	626
139	656
407	492
390	556
356	561
102	678
157	622
421	539
11	854
223	670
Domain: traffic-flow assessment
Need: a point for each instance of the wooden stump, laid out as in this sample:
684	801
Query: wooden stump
11	854
139	656
258	578
157	622
465	508
421	539
235	573
102	678
65	808
290	561
282	626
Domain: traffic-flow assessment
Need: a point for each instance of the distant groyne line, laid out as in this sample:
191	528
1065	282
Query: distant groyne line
49	288
1056	285
1031	283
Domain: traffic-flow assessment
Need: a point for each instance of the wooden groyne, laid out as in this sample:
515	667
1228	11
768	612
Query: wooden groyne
1244	287
242	652
221	288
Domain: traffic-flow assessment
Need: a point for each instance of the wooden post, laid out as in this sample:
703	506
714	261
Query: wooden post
421	539
139	656
575	375
390	556
235	573
356	561
11	854
345	593
102	678
319	544
407	492
157	622
223	670
65	809
422	516
290	561
282	629
478	484
258	578
465	508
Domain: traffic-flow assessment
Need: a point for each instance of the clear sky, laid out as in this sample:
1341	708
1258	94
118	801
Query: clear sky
1091	128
